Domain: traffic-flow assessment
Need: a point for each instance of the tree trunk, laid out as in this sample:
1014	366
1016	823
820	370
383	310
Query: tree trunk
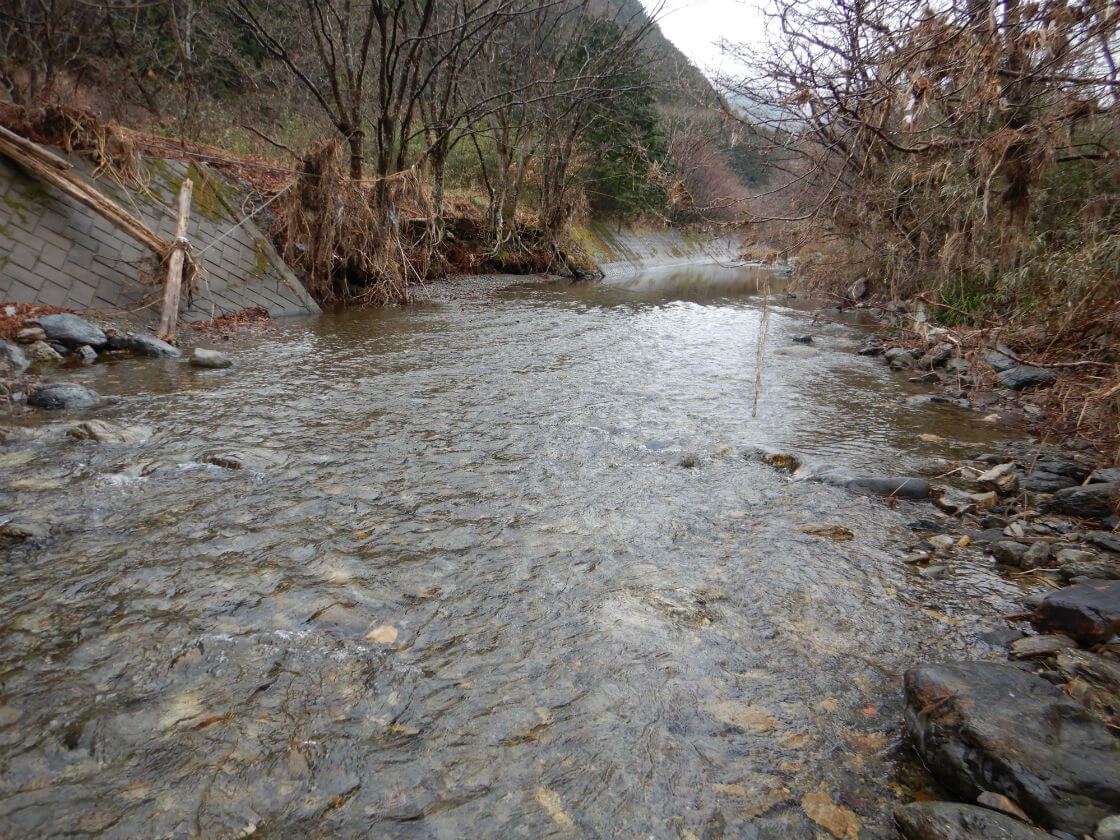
356	139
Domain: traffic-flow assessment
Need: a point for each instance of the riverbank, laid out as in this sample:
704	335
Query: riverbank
1032	741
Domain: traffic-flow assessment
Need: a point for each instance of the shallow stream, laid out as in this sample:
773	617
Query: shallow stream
570	634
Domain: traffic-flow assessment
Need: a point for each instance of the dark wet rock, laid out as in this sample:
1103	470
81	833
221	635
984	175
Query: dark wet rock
63	395
1093	501
1026	376
988	726
872	350
1088	612
1063	466
203	358
1000	636
999	360
29	335
149	345
1036	556
903	361
42	353
925	524
1009	552
228	460
1094	682
116	340
71	331
803	339
85	354
1040	481
689	461
1104	539
898	487
958	366
1002	478
1105	476
1083	564
103	432
936	356
13	361
954	821
993	521
1037	647
986	536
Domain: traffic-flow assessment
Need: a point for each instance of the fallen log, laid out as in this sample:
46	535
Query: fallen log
52	169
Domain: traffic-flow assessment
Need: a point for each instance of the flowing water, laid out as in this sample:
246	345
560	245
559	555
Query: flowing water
464	585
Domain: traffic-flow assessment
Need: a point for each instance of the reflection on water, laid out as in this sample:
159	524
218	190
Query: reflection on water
462	585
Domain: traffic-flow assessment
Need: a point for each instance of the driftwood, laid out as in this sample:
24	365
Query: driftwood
53	169
169	318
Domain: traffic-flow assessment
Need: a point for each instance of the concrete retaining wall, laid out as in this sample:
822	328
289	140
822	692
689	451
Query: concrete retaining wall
55	251
620	251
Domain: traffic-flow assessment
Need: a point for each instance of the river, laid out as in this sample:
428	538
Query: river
464	584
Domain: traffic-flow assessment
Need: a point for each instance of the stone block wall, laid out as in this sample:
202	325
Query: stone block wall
55	251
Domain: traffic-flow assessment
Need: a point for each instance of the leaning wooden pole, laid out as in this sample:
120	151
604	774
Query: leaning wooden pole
52	169
172	287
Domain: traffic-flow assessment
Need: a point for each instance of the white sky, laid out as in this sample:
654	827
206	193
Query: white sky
696	25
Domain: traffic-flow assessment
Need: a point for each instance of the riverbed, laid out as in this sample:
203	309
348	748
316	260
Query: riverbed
494	565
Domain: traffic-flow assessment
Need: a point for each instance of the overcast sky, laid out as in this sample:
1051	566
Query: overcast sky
696	25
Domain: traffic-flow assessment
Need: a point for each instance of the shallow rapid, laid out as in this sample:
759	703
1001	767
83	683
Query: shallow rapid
465	586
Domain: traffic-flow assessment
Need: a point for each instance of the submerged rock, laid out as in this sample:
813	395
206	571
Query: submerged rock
71	331
954	821
1089	612
63	395
102	432
1026	376
149	345
988	726
203	358
1092	501
1009	551
13	361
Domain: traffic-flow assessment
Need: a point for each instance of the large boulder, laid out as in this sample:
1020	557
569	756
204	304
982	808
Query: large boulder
900	487
1088	612
64	395
1091	501
71	331
149	345
953	821
1026	376
988	726
13	361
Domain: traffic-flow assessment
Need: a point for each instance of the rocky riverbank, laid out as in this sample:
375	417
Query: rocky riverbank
1029	745
48	345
